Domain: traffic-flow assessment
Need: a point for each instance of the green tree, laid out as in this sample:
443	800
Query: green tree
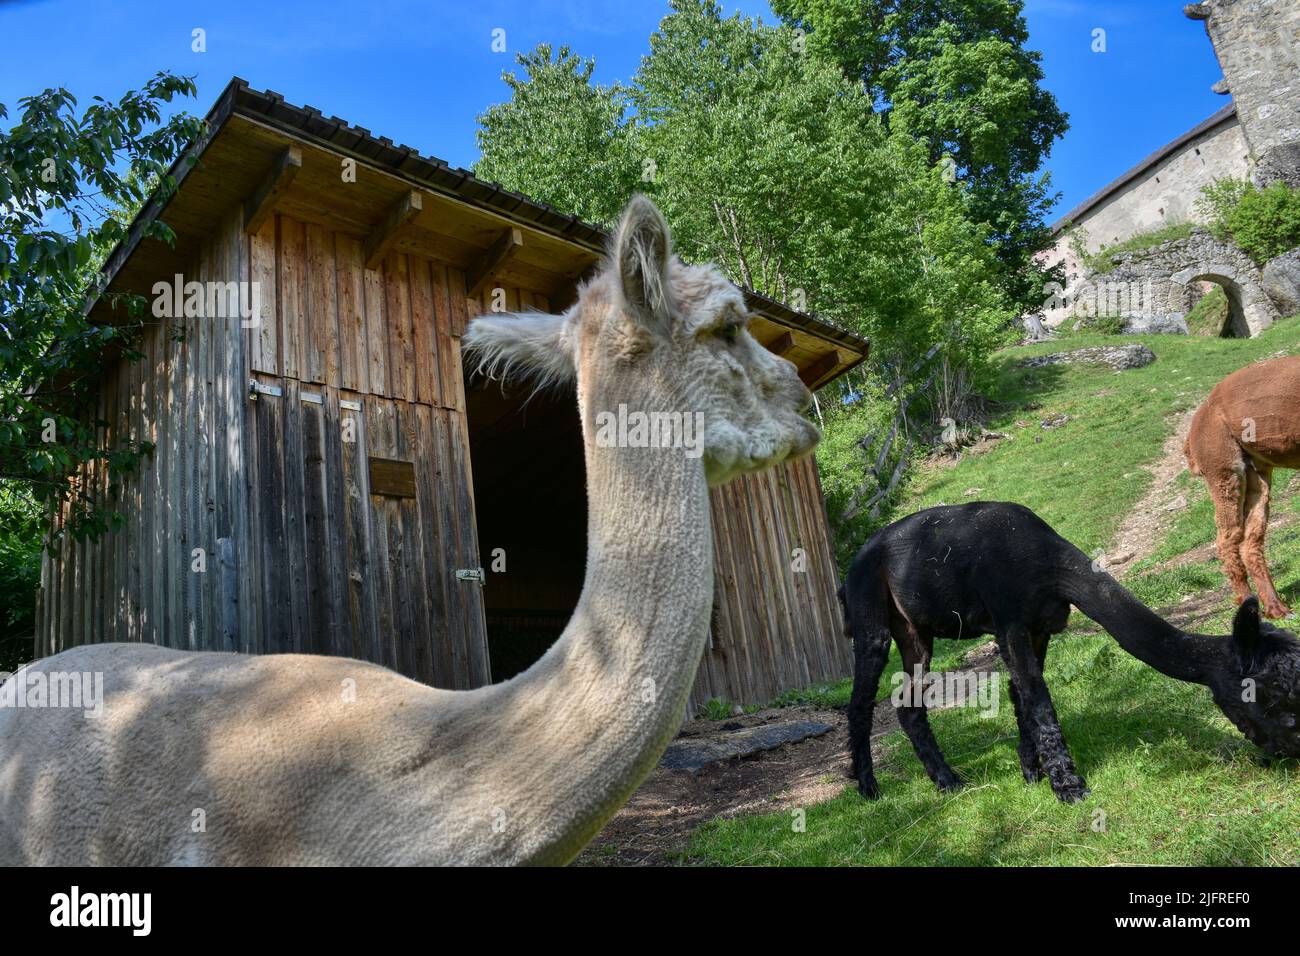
957	75
560	138
1264	223
69	183
20	568
770	163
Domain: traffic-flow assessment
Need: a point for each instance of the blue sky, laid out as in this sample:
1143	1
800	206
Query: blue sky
419	73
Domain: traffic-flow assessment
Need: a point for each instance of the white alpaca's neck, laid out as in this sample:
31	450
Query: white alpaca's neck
584	725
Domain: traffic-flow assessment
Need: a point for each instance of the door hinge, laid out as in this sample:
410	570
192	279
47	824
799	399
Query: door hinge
256	388
471	574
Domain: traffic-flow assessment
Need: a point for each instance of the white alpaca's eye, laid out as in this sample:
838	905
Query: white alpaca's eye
730	332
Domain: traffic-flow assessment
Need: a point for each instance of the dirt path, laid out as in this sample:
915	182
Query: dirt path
656	824
1140	534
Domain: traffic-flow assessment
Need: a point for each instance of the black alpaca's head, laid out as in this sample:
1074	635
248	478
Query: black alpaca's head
1260	693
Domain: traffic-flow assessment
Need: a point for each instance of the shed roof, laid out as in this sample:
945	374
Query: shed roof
458	217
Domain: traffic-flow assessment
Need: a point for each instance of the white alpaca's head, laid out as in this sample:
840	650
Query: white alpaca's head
650	329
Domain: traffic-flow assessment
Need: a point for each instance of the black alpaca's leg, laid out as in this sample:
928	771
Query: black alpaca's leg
914	716
1025	748
870	653
1025	657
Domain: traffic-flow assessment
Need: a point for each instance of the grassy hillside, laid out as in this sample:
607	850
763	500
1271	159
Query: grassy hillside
1084	476
1173	782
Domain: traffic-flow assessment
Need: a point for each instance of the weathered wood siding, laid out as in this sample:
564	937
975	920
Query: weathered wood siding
184	397
777	622
368	365
300	556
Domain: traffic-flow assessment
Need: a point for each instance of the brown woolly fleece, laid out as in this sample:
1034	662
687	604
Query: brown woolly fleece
1249	425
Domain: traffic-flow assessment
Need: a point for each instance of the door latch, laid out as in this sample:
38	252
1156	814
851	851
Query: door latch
471	574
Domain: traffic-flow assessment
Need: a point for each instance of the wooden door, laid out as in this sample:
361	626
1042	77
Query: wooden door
366	364
364	513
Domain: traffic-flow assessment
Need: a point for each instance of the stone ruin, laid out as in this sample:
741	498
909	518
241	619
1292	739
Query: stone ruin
1170	274
1257	43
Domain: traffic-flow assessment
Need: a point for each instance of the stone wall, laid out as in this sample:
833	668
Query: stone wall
1258	46
1158	196
1157	287
1166	193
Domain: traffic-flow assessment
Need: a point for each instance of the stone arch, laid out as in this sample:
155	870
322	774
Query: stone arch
1237	325
1249	310
1233	323
1173	267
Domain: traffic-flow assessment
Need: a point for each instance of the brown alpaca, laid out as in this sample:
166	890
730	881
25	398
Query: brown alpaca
1249	425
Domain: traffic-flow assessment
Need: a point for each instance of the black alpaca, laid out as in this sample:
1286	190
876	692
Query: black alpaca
999	569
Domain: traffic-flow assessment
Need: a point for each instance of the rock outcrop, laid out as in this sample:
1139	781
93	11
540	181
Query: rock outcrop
1118	357
1281	281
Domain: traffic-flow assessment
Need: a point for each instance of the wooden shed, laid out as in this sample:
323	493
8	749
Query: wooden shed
326	476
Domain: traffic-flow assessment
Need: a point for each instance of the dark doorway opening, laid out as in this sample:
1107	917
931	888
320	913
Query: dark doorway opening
1217	308
530	502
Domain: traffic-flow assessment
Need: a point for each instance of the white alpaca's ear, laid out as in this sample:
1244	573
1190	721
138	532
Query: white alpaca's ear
529	344
642	249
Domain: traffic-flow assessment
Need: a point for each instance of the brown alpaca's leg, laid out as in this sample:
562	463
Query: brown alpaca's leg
1227	488
1259	479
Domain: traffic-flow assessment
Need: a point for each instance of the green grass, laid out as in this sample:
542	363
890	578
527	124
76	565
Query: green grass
947	655
1173	782
715	708
1086	475
1209	314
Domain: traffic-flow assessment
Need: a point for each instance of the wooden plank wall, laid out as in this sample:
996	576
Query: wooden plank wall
314	562
139	584
775	628
393	331
376	577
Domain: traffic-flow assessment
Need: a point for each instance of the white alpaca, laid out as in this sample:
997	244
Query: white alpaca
212	758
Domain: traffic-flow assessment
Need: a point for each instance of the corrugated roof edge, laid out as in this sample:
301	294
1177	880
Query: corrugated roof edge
270	108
